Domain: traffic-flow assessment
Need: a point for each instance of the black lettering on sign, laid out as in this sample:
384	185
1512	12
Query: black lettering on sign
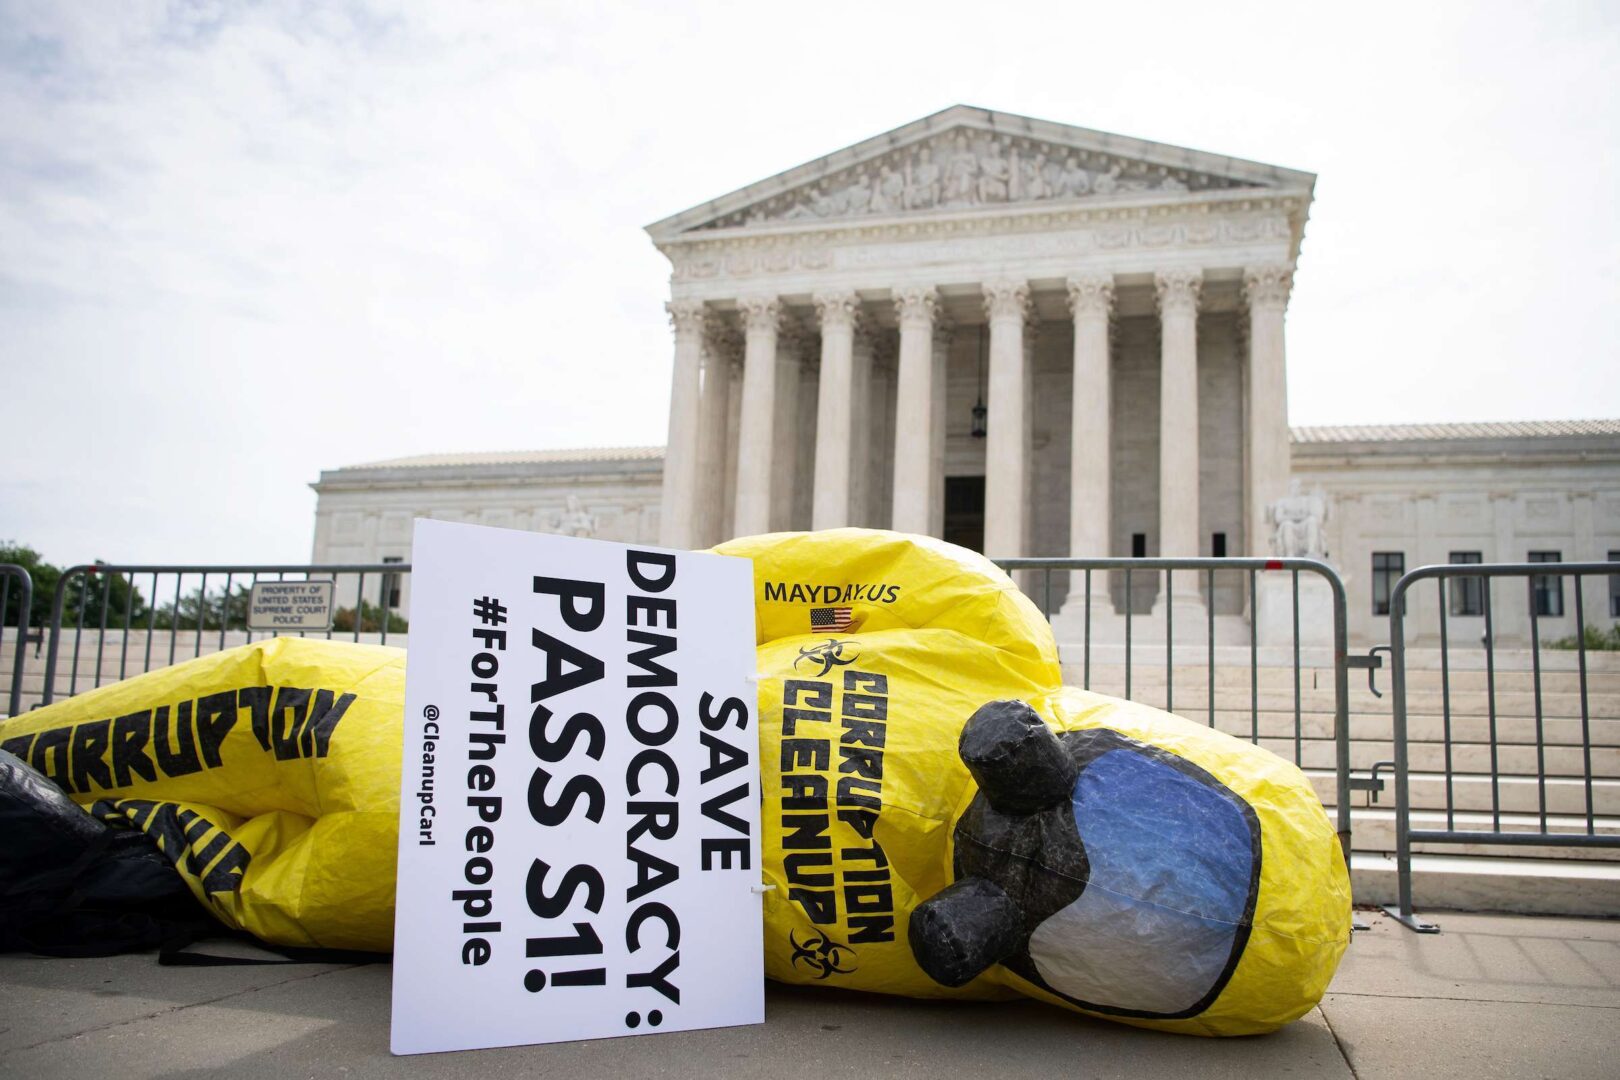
715	809
567	667
723	757
570	596
732	707
652	873
580	725
577	787
637	564
646	658
550	905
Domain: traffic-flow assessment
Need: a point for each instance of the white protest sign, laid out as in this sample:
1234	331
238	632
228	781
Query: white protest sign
579	822
290	605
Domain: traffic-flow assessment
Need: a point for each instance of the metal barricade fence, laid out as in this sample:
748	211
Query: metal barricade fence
110	622
1205	572
126	620
24	591
1474	582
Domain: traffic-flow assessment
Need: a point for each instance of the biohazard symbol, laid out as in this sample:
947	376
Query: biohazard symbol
829	655
822	955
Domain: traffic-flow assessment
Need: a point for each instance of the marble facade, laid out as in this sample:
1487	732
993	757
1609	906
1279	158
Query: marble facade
1118	310
1115	305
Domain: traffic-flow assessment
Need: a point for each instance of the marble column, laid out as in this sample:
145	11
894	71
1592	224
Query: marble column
678	511
1267	450
1178	428
941	352
914	412
1006	465
755	436
1091	483
792	348
714	419
861	412
830	508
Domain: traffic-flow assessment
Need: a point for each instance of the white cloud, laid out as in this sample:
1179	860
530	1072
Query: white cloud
240	243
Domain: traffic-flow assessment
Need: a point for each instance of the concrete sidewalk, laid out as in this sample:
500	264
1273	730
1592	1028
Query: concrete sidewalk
1492	996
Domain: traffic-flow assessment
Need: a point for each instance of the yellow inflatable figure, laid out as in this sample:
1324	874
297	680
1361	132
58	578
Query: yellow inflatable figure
268	773
943	818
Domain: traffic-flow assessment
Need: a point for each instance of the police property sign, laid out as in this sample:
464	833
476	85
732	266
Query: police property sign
579	821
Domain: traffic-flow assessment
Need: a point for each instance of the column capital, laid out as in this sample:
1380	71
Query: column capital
1006	300
1178	290
837	310
688	318
1091	296
723	337
916	305
793	336
1268	286
760	313
867	336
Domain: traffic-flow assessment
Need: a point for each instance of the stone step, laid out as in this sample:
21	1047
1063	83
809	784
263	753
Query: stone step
1515	794
1420	728
1151	674
1373	830
1461	659
1362	703
1474	883
1474	758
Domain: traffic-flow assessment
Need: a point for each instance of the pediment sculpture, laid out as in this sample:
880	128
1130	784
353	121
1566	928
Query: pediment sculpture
968	168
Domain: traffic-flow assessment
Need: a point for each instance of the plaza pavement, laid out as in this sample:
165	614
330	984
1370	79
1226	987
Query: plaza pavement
1492	996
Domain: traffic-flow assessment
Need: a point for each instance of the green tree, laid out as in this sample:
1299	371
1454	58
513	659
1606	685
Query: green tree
209	611
88	592
93	596
371	620
45	577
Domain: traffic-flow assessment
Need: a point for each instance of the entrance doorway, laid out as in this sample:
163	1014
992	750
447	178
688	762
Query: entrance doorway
964	512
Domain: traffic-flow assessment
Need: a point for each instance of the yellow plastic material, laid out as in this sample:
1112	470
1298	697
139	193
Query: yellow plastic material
864	786
268	773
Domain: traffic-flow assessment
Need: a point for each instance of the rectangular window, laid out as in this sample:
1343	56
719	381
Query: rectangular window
1467	593
390	585
1614	588
1138	545
1387	568
1548	589
1217	545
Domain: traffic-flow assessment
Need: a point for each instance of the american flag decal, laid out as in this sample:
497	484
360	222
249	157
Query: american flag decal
830	620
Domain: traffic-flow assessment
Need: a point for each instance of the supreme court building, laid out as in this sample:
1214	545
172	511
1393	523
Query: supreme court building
1031	339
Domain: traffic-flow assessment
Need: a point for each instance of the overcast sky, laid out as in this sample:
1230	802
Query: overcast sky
240	243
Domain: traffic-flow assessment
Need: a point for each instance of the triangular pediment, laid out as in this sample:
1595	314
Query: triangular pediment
966	159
